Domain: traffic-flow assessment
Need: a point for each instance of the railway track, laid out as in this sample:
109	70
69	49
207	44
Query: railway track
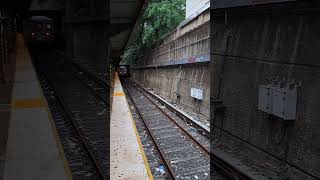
81	160
98	69
98	86
189	125
148	109
181	154
79	112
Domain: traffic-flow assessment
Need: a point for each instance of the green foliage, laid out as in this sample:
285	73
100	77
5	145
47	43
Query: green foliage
159	19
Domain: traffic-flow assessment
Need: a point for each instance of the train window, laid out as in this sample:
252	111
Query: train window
49	26
39	26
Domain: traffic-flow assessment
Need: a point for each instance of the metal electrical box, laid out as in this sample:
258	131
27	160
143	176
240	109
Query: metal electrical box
196	93
265	98
278	101
200	94
193	92
284	103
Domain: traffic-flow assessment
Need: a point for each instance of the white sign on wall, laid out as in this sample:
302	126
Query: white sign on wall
196	93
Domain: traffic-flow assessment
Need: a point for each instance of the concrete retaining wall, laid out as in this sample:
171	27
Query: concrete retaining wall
261	47
181	61
170	80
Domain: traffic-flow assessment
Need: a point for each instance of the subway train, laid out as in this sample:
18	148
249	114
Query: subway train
123	70
39	30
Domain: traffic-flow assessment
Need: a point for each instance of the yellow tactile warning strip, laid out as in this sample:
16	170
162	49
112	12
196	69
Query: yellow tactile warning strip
118	94
27	103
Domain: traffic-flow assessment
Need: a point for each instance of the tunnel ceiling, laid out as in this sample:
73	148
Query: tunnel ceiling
123	16
15	6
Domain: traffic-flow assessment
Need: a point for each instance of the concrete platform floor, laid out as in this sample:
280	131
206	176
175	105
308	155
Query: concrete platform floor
6	86
127	159
32	151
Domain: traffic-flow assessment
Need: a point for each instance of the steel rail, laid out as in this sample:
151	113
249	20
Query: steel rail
231	171
80	67
157	146
70	117
178	113
94	77
204	149
98	95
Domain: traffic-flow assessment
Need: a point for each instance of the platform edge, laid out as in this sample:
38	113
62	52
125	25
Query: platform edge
53	127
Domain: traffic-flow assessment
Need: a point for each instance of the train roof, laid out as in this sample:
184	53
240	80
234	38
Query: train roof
39	18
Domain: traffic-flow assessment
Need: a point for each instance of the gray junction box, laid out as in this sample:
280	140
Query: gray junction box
278	101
